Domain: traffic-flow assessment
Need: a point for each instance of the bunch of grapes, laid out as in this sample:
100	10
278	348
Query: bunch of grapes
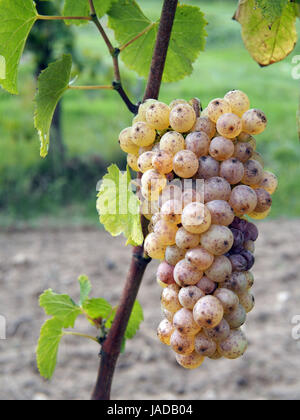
201	235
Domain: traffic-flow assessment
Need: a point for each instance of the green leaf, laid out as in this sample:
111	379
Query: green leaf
267	43
81	8
51	334
52	83
187	39
119	207
271	9
61	307
97	308
85	288
17	18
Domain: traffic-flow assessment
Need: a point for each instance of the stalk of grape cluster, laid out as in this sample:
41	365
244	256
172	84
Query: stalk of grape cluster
203	180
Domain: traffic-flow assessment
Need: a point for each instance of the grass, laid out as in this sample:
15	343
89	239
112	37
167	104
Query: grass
92	121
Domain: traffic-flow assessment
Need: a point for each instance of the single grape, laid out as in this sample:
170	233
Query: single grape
132	161
165	273
238	237
243	199
232	170
218	333
177	102
182	118
186	275
237	317
174	254
171	211
243	151
216	108
254	121
204	345
216	188
249	246
164	331
269	182
189	296
172	143
143	134
205	125
207	285
249	258
229	125
145	161
238	101
221	212
196	218
162	162
234	346
250	279
190	361
169	298
218	239
200	258
221	148
247	300
186	240
153	181
208	167
126	143
144	107
157	116
165	232
182	344
253	172
240	224
197	142
154	248
251	232
228	299
264	200
185	164
184	322
237	283
238	262
220	270
208	312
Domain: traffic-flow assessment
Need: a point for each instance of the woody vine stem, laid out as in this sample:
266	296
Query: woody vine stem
112	345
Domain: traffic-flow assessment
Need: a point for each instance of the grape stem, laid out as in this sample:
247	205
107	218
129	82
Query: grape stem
112	345
114	52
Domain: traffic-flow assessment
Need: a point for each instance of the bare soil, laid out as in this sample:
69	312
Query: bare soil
32	261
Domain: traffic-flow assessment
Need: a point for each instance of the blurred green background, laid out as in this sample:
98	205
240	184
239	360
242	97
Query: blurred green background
35	191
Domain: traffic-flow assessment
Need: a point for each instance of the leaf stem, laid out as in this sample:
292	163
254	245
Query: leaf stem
43	17
67	333
122	48
108	87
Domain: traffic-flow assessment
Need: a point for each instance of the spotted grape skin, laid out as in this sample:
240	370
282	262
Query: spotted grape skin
186	240
237	317
162	162
243	151
174	254
208	167
145	161
171	211
234	346
218	107
164	332
184	322
182	118
165	273
238	101
196	218
220	270
198	142
169	298
132	161
204	345
172	143
157	115
218	240
200	258
229	125
216	188
207	285
253	172
190	361
182	344
218	333
153	247
243	199
221	148
247	300
221	212
237	283
264	200
254	121
142	134
232	170
189	296
186	275
126	142
204	124
208	312
185	164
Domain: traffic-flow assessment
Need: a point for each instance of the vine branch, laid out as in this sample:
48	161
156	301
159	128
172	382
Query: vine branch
112	345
